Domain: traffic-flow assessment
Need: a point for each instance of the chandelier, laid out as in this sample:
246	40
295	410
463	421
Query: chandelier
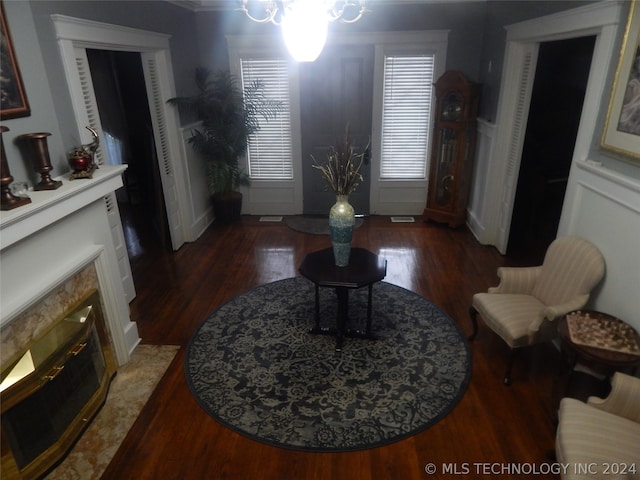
304	23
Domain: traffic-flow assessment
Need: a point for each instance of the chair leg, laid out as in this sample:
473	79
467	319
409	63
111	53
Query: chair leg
473	313
507	375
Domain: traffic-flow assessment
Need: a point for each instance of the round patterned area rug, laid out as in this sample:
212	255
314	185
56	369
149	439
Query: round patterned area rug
254	366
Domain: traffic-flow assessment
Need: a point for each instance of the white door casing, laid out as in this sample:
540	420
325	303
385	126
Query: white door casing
600	19
90	117
520	71
76	35
157	69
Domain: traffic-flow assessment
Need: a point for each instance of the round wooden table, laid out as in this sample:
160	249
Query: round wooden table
602	360
364	269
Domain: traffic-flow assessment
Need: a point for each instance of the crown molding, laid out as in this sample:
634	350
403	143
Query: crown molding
219	5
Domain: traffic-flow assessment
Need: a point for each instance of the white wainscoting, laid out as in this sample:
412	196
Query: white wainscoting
604	207
200	208
477	210
272	198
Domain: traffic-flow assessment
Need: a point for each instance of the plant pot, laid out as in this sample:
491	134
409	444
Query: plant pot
227	206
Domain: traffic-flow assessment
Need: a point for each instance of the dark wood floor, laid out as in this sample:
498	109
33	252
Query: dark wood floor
175	439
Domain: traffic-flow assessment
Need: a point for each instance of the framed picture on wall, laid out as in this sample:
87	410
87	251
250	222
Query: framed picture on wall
622	127
13	100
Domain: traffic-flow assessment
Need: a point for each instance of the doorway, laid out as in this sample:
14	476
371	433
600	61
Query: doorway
335	90
557	98
121	95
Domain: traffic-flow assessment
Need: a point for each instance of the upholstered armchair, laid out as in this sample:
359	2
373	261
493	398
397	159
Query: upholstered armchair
524	307
602	433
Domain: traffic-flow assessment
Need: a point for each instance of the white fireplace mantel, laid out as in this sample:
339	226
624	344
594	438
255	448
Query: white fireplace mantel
60	232
49	206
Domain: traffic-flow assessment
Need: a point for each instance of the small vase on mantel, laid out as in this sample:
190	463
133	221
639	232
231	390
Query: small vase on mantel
341	223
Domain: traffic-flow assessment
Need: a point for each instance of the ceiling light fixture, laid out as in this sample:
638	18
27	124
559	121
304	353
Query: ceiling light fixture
304	22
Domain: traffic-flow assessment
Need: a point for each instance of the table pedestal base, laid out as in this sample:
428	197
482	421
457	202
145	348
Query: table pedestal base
342	318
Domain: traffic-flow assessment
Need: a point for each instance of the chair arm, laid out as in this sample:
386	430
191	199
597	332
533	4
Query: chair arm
540	329
516	279
624	398
552	312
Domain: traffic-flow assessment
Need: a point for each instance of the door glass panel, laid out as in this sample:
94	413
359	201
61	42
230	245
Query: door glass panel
335	90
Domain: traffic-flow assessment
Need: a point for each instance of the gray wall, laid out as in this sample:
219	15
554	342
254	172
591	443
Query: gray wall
507	12
39	60
477	40
465	22
500	14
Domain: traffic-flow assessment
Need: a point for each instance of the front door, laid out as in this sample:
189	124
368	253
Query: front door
335	90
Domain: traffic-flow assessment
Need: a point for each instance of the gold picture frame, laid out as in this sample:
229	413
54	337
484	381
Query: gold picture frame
621	132
13	99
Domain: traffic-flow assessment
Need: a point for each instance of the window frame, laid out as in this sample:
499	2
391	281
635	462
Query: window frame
283	119
401	196
426	126
271	196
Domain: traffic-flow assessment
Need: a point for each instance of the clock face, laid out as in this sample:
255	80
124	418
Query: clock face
451	107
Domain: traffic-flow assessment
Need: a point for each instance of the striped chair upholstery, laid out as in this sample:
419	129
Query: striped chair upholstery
601	433
523	308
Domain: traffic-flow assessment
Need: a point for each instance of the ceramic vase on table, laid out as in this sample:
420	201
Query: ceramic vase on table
341	223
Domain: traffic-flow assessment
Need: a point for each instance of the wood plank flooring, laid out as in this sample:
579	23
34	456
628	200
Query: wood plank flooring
175	439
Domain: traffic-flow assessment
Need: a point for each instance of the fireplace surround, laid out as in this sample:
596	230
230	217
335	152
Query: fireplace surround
48	242
53	253
53	388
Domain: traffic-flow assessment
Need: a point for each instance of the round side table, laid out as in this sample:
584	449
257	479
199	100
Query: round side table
601	360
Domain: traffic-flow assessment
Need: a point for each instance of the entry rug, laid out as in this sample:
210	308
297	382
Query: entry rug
254	367
129	392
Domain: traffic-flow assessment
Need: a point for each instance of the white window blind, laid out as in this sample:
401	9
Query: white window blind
406	116
270	151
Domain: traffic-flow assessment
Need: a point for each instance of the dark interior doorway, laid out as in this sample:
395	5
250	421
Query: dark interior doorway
558	93
121	94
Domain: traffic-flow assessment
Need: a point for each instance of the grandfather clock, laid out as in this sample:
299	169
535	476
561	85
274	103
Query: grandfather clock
453	149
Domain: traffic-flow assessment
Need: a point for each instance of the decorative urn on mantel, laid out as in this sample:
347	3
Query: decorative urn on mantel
38	150
8	201
342	174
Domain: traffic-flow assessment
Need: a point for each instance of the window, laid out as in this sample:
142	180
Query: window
270	148
406	116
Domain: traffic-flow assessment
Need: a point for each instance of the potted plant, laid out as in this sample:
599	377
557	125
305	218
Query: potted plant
229	115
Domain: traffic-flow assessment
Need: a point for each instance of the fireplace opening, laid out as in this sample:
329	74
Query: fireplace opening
52	390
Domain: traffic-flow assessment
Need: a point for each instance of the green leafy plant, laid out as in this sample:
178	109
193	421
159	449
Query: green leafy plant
342	168
229	115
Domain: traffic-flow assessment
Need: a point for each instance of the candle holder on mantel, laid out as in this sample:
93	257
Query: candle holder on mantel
8	200
42	163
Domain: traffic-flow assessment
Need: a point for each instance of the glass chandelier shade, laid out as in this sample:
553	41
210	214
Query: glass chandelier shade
304	22
304	29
